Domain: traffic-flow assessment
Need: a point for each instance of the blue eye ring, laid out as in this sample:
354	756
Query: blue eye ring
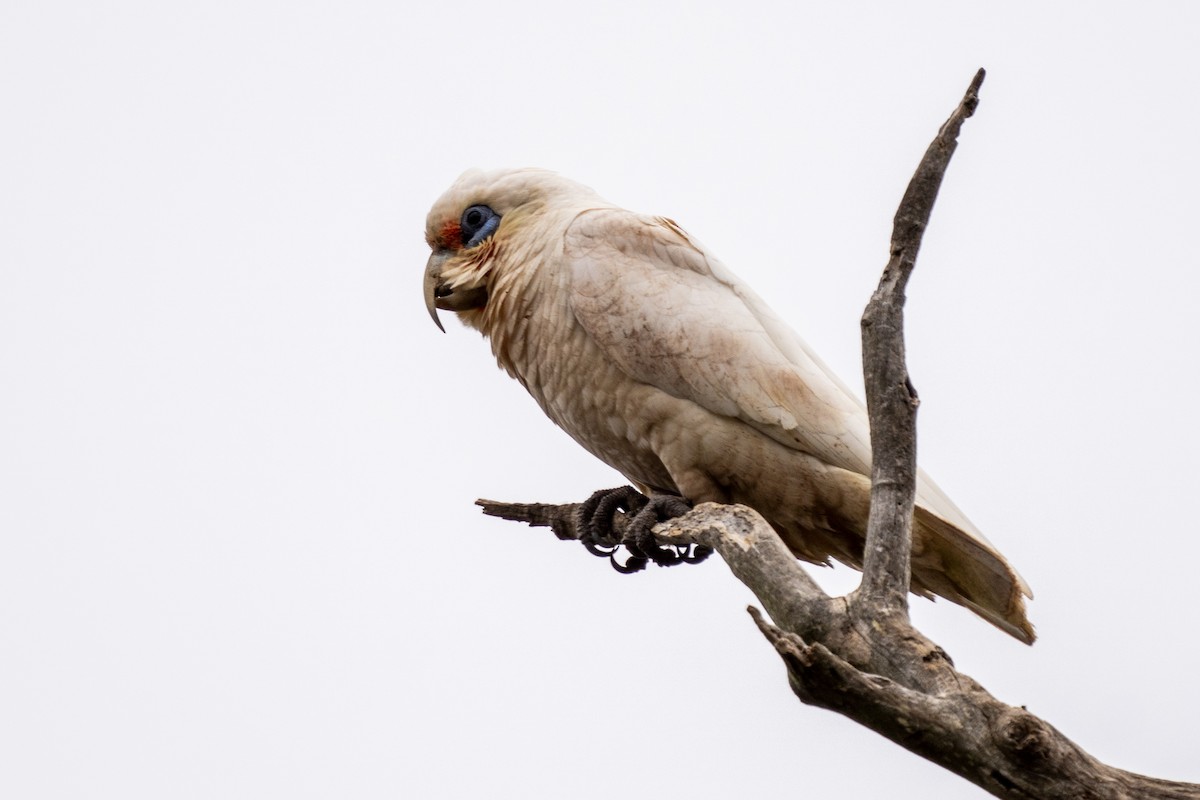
477	223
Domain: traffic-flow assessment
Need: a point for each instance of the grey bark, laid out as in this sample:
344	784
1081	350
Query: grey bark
859	655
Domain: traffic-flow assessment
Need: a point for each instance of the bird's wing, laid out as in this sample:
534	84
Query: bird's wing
671	315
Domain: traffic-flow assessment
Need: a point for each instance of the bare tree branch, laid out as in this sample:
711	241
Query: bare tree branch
891	399
891	679
859	655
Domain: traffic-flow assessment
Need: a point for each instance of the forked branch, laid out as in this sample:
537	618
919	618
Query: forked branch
859	655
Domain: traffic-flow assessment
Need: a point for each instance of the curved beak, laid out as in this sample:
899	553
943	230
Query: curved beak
433	276
439	295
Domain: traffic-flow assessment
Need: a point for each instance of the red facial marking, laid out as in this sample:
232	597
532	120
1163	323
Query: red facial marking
450	236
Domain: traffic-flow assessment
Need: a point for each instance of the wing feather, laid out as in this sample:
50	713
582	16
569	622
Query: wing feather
673	316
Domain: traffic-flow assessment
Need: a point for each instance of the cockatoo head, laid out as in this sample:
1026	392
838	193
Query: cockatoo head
477	221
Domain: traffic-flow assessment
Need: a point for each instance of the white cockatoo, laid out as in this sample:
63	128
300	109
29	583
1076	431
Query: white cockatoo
650	353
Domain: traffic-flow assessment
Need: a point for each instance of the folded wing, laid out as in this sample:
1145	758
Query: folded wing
672	316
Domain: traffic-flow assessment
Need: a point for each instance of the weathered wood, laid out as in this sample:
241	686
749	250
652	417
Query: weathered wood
859	655
891	398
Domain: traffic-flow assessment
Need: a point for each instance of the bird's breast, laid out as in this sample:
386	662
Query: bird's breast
620	421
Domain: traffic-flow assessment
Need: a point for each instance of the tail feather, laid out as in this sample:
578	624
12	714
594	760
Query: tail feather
965	570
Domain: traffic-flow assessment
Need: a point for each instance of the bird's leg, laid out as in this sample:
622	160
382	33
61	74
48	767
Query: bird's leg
640	537
597	517
596	520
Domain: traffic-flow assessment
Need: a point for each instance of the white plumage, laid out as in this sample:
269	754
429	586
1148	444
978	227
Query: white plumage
651	354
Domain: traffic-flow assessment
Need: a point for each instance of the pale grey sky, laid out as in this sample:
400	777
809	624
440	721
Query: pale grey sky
238	551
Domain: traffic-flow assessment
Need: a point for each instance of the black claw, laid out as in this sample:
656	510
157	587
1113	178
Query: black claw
643	538
658	509
595	521
586	514
631	565
604	551
625	499
596	513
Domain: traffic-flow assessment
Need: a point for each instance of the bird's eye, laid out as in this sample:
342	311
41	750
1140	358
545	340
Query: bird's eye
477	224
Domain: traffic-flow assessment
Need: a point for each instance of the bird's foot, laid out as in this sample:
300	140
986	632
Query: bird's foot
597	518
596	523
640	539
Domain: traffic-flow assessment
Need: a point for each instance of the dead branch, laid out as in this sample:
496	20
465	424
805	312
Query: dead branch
859	655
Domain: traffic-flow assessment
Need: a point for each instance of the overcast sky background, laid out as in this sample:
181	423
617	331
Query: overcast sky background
238	552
